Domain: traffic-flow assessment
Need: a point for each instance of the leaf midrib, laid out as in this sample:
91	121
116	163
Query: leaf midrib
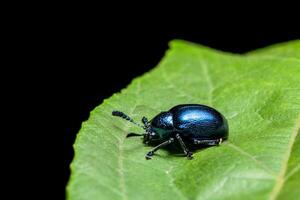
121	169
121	157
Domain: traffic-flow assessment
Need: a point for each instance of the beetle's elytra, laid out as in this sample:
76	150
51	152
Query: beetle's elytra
187	123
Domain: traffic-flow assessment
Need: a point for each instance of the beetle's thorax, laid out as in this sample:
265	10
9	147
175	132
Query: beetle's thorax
164	120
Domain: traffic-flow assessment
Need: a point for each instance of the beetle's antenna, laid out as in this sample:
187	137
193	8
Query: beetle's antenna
126	117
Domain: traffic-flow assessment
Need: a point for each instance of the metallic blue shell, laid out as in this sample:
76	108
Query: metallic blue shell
192	121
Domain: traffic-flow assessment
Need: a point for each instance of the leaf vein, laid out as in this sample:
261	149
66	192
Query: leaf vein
243	152
209	83
175	188
292	172
180	91
281	177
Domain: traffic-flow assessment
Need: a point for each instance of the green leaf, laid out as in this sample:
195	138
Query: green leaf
259	94
285	50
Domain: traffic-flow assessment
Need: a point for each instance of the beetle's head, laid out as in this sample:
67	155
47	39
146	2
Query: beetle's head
150	135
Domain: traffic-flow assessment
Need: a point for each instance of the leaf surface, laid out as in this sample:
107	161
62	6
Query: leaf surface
259	94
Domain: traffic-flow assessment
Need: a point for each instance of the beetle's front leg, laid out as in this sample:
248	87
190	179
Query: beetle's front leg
165	143
188	153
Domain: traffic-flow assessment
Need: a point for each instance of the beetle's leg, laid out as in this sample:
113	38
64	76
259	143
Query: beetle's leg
151	152
208	142
188	153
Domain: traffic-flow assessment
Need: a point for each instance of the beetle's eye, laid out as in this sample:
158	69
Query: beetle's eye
152	133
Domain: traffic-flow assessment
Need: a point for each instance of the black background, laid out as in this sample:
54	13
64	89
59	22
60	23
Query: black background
73	63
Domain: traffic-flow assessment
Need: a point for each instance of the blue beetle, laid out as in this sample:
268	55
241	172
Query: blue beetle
192	124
